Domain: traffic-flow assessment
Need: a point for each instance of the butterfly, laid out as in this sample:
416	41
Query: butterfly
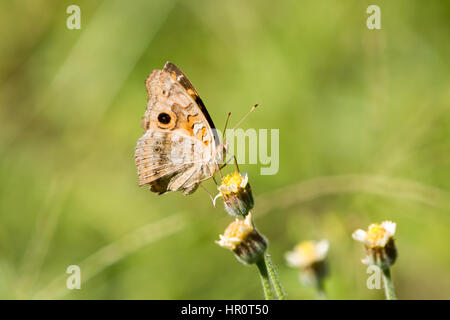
180	147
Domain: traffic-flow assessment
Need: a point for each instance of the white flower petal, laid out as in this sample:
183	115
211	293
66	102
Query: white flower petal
382	241
292	259
322	249
244	181
359	235
390	227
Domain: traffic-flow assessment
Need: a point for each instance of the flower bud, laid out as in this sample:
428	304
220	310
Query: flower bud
236	194
244	240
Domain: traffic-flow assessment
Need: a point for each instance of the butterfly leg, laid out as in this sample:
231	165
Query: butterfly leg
228	161
235	163
209	193
225	164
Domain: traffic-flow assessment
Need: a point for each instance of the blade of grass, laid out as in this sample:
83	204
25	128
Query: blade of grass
46	224
353	183
114	252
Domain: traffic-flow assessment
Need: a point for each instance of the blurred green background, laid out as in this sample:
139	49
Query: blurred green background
364	120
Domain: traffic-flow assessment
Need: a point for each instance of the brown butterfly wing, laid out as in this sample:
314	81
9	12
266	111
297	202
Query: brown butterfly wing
170	161
177	150
177	74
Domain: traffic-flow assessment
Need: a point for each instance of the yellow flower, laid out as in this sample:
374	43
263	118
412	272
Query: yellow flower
377	235
236	232
236	194
244	240
379	243
307	253
310	258
231	183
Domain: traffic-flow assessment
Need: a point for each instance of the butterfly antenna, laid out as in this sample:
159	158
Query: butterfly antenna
245	117
220	173
219	168
225	128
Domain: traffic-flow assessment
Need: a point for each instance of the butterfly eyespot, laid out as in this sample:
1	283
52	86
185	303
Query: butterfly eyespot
164	118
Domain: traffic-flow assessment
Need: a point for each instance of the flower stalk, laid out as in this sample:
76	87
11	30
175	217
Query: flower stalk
321	295
249	247
389	289
265	281
279	291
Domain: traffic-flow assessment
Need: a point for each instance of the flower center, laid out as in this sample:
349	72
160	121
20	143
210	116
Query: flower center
307	250
375	233
234	179
238	229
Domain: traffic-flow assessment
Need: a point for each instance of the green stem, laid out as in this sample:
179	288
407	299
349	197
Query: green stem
320	290
388	284
274	278
265	281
